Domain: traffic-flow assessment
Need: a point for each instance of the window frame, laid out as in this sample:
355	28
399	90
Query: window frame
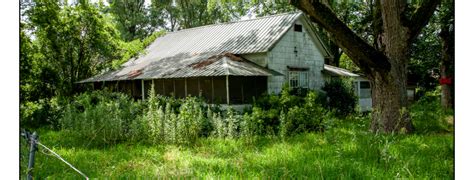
296	79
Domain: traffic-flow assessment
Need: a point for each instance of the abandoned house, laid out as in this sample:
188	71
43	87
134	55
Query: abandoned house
229	63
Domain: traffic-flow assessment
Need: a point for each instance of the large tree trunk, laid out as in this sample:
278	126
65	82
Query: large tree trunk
389	88
385	65
389	101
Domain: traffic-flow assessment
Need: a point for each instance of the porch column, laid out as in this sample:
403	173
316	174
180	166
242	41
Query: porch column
227	88
212	89
199	87
185	87
153	85
174	88
143	89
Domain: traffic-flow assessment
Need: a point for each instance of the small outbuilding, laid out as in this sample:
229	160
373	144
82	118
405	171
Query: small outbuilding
360	84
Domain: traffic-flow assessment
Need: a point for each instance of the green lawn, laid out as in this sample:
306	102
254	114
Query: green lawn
347	151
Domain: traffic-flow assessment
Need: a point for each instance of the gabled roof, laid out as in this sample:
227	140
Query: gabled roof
176	50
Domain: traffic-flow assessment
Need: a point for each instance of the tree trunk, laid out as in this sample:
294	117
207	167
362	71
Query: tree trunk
389	101
389	97
447	67
385	65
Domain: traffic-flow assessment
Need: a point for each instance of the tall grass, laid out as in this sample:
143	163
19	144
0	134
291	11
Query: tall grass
108	135
346	151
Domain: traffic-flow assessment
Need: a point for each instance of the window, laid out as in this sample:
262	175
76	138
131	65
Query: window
298	79
365	91
298	28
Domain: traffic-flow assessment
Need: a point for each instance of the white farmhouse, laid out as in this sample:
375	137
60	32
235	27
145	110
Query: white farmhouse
228	63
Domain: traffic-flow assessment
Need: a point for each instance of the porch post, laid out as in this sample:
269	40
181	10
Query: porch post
212	89
242	90
227	88
153	85
199	87
185	87
143	89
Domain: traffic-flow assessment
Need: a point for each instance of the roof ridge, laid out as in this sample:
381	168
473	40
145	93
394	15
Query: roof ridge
231	22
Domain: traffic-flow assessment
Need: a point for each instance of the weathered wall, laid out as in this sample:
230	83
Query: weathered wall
307	55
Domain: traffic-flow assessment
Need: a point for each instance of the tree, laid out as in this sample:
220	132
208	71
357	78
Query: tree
132	18
447	60
184	14
74	43
385	63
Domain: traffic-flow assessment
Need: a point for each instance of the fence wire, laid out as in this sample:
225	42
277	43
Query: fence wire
24	153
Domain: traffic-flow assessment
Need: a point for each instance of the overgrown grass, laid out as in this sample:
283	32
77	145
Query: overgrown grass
345	151
109	135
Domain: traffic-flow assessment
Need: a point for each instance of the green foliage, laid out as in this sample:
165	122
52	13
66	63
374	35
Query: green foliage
73	42
134	48
346	63
286	114
101	116
309	117
132	19
341	97
190	120
34	114
182	14
346	151
428	116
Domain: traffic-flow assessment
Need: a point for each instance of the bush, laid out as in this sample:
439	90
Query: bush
285	114
44	112
101	116
428	116
306	118
341	97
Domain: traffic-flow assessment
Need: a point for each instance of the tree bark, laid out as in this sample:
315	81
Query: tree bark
389	89
386	65
447	67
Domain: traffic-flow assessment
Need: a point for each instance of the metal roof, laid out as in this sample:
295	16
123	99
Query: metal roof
195	66
169	55
337	71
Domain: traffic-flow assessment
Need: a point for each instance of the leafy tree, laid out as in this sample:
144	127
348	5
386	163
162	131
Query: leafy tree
184	14
133	18
395	27
74	43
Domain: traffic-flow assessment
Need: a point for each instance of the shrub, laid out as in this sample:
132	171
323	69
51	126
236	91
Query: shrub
228	126
190	120
101	116
428	115
341	97
305	118
44	112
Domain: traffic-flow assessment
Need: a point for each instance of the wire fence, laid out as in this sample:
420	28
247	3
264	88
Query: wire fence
29	146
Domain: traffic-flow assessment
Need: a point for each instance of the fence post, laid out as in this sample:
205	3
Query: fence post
31	161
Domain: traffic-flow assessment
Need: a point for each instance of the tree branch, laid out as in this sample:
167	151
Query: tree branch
363	54
421	17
